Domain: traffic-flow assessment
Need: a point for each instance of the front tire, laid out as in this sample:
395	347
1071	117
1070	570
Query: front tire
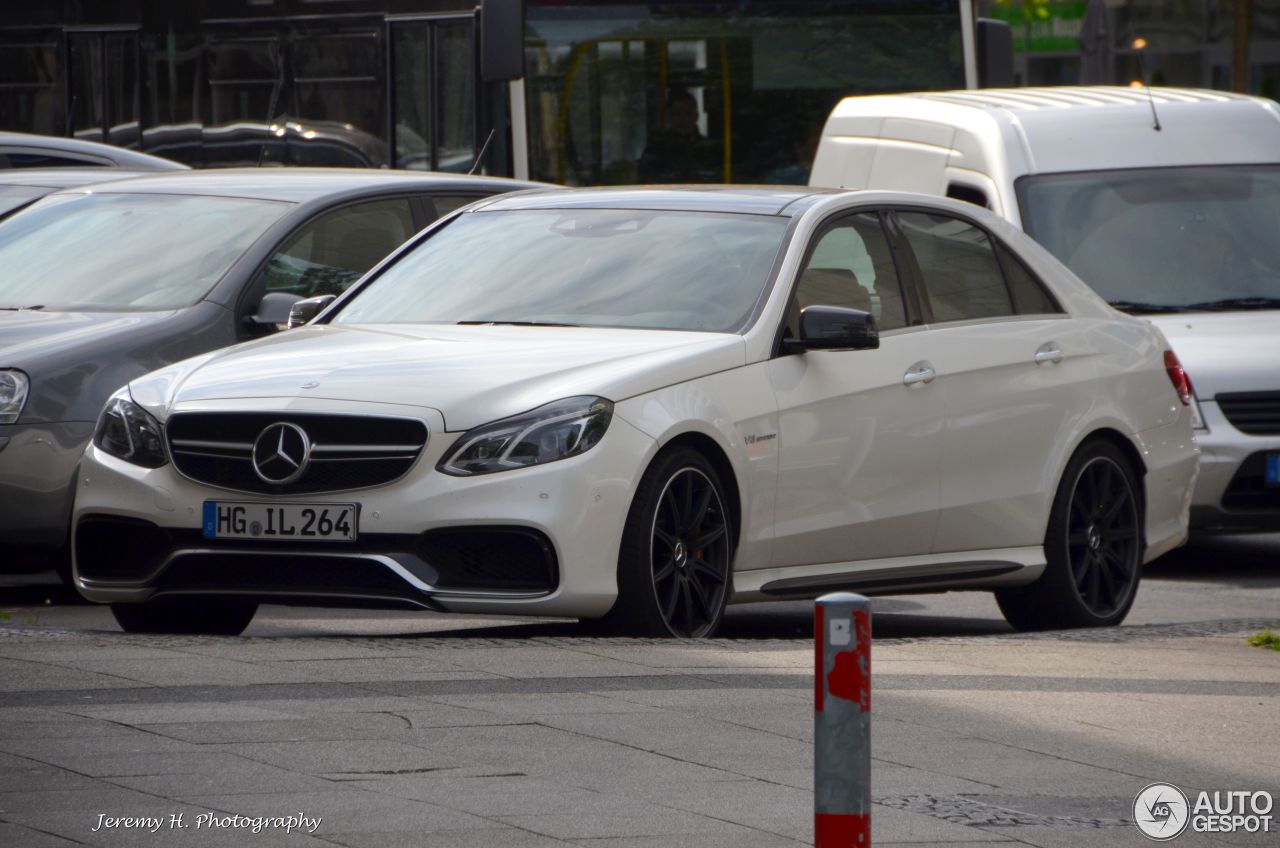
675	561
195	615
1093	547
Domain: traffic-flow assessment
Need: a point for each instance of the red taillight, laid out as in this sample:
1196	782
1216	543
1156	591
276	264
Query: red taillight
1178	376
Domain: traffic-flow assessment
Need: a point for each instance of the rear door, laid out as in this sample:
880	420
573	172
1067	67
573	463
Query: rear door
1013	368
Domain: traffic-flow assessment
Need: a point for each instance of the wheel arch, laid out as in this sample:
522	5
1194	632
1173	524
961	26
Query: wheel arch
719	460
1131	452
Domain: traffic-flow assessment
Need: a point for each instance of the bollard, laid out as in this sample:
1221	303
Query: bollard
842	722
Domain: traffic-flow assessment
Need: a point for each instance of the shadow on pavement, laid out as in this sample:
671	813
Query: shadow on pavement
1235	560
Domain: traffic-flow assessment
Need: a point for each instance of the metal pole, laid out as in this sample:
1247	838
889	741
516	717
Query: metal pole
842	722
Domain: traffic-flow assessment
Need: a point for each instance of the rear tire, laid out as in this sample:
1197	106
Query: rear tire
189	615
1093	546
676	558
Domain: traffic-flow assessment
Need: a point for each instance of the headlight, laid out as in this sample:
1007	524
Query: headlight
128	431
556	431
13	394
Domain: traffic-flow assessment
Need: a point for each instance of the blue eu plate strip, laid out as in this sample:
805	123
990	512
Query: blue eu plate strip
210	519
1273	469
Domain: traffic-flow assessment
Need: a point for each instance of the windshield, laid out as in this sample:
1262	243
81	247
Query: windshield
593	267
1166	239
130	252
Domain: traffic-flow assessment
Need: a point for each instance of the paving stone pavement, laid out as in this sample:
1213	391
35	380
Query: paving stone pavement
401	730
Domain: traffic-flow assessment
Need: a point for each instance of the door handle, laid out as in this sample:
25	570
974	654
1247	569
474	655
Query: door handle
1049	352
921	372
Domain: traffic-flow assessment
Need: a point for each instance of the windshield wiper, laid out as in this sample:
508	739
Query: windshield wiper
1228	303
516	323
22	308
1138	307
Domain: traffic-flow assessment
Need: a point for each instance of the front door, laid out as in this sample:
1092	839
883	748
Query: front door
860	431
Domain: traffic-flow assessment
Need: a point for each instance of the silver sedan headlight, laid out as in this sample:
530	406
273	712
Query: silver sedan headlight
13	394
558	430
127	431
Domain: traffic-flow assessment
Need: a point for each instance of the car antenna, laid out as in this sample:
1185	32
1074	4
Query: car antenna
480	155
1140	44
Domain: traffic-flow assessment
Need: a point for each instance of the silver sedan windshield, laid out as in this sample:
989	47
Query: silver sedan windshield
592	267
127	252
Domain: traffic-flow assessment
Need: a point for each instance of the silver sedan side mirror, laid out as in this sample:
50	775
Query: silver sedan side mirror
304	310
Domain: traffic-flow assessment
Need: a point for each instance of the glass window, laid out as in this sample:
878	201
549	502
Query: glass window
30	94
434	92
32	159
958	267
337	115
331	252
455	65
595	267
15	197
625	92
445	205
851	266
1029	295
1164	239
120	252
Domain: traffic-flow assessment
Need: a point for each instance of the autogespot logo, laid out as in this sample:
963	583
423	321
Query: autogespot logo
1161	811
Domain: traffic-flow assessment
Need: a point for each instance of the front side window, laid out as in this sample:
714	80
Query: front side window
851	266
1164	239
594	267
333	251
125	252
958	267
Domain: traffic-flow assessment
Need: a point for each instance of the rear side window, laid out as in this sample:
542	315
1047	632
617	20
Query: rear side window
1029	296
958	267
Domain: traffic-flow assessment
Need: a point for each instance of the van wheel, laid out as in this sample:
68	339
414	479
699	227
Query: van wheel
674	565
209	616
1093	547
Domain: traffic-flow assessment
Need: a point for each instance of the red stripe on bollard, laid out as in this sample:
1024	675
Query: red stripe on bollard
832	830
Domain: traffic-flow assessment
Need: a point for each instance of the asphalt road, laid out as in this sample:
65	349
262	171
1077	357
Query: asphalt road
398	729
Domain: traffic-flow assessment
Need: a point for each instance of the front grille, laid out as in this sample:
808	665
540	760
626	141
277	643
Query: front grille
347	451
1255	413
1248	491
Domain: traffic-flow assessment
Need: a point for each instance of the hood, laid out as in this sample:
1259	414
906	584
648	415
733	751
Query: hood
470	374
1226	351
27	336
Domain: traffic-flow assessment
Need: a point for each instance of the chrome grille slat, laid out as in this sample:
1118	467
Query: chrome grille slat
348	451
1254	413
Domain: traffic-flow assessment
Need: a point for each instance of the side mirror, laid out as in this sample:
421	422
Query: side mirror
304	310
835	328
272	312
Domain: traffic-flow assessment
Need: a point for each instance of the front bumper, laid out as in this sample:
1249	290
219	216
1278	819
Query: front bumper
37	482
1231	495
552	533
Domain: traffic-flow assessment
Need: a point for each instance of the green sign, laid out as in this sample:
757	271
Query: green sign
1042	25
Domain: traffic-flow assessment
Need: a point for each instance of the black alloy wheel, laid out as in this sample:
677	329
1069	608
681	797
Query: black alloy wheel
1093	548
675	562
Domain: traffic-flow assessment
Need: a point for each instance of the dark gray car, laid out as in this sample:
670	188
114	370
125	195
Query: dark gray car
104	283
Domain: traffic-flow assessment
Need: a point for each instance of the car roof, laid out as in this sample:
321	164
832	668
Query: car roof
56	178
298	185
120	156
1077	97
753	200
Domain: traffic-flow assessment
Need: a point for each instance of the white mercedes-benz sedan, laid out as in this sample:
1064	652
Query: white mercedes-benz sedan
640	405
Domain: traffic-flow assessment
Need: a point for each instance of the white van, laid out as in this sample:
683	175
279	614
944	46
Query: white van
1166	201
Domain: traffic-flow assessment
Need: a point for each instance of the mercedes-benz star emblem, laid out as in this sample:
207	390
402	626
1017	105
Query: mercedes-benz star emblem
281	453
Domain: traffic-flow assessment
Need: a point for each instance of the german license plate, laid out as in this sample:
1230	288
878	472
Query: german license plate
1273	469
280	521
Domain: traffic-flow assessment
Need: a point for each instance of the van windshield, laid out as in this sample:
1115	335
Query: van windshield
1164	239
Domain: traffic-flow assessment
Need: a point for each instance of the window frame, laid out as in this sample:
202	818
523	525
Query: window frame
912	266
910	297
